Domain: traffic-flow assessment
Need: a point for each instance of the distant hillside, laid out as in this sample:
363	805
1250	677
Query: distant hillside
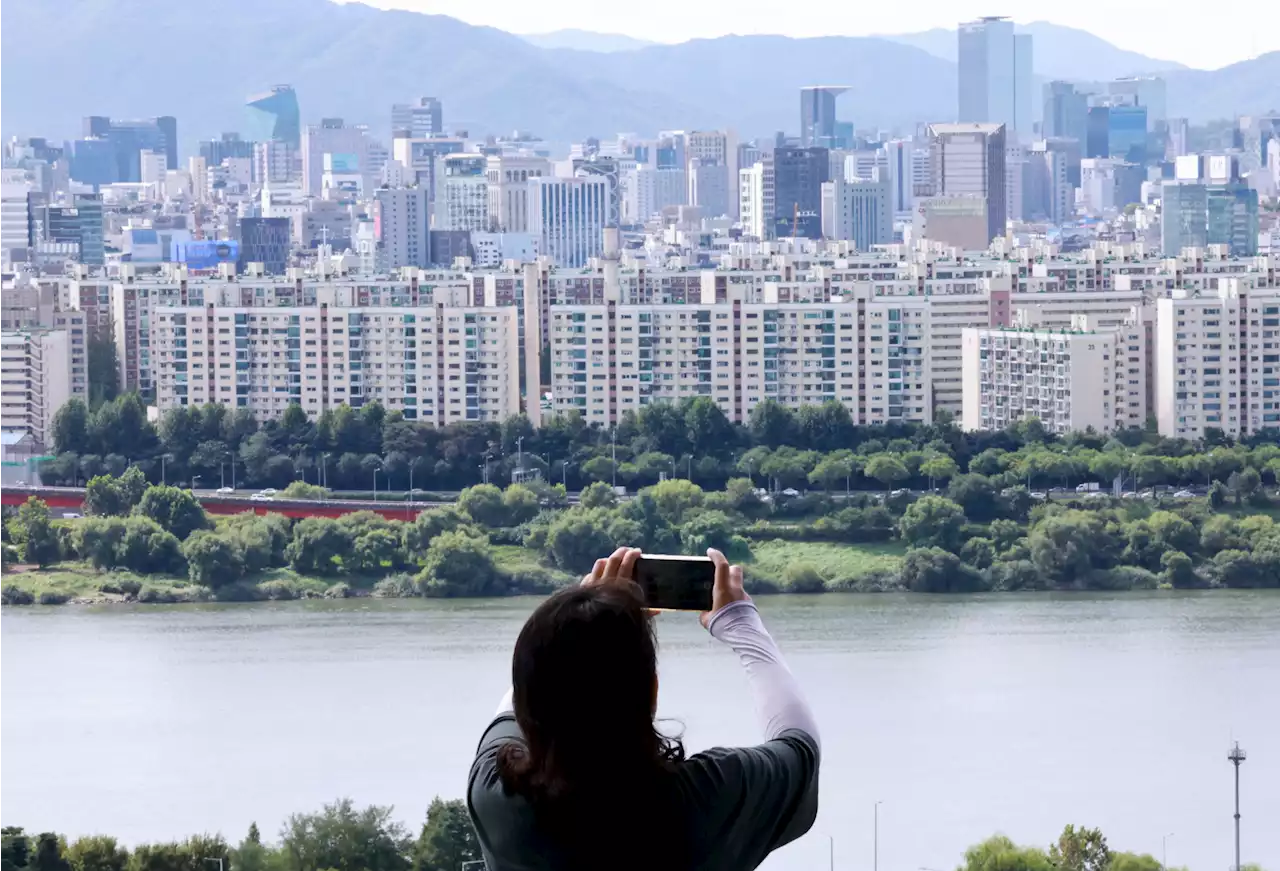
1058	52
585	40
155	57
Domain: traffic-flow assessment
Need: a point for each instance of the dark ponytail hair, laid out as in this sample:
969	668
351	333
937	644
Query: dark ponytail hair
593	766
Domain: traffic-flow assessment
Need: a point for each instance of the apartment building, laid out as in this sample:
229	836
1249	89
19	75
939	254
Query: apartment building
1069	379
437	362
40	369
1217	360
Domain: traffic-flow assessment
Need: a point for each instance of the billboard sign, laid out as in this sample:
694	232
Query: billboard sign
206	253
341	163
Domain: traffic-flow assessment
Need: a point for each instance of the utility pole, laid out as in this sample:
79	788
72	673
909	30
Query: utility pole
162	456
875	843
1164	851
613	442
1235	757
520	455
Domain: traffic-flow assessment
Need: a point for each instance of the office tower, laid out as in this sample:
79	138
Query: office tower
568	216
76	224
402	219
1051	195
858	210
709	188
463	200
274	115
93	162
273	162
1179	135
1146	91
421	119
1208	205
793	180
214	151
670	157
818	114
1065	112
420	156
751	209
968	160
128	139
266	241
508	177
1016	169
995	79
198	169
331	136
152	169
1231	218
899	155
1097	138
1127	133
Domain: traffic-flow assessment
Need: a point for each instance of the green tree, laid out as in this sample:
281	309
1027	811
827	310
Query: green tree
599	469
934	570
32	531
103	498
597	495
253	855
976	495
886	468
175	509
318	542
933	521
1080	850
47	855
675	498
374	552
447	839
97	540
939	468
97	853
803	578
103	369
706	529
1135	862
71	427
15	849
213	560
578	537
1001	854
520	504
1177	571
160	857
772	424
788	467
978	552
427	525
147	549
342	838
483	503
708	431
832	470
460	565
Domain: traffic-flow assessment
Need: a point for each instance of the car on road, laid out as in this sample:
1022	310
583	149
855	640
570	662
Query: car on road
269	491
72	515
261	497
225	490
790	491
1037	494
1184	494
900	492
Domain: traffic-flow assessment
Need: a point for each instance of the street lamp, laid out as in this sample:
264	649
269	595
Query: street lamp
1164	851
613	442
1236	757
376	469
194	478
875	843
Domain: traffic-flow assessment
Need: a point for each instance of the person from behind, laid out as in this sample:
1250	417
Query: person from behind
574	774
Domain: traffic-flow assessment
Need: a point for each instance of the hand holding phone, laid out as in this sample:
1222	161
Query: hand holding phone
676	583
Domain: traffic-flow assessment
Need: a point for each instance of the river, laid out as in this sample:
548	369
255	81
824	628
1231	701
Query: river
964	716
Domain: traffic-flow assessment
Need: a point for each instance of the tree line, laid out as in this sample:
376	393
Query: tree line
339	837
816	446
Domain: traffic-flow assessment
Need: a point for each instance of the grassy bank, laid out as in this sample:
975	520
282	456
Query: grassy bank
771	559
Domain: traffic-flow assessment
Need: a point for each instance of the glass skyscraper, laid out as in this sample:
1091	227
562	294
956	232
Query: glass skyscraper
995	80
275	116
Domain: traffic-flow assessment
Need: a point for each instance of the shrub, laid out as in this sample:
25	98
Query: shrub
156	596
398	586
12	594
53	597
803	578
339	590
277	591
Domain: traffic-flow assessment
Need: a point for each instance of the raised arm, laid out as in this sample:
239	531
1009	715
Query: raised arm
779	702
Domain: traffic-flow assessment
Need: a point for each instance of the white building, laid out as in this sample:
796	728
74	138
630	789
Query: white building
1098	185
508	177
751	206
568	216
40	369
14	216
491	250
198	169
152	167
968	160
709	188
331	136
1069	379
462	193
273	162
420	119
437	363
858	210
1217	360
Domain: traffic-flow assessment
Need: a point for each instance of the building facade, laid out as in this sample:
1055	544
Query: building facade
568	216
968	160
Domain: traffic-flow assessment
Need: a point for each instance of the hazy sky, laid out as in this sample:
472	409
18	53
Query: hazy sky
1178	30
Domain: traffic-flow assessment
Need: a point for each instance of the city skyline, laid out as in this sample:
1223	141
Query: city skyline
1139	27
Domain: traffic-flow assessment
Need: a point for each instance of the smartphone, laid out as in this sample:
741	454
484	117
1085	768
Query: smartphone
676	583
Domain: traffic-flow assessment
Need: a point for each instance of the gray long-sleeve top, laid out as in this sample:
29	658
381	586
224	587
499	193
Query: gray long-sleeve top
739	804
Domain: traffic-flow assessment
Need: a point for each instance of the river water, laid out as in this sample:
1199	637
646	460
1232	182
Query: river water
964	716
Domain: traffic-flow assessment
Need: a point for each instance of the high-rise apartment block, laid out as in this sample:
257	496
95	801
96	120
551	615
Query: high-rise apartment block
1069	379
40	369
402	218
462	199
995	78
858	210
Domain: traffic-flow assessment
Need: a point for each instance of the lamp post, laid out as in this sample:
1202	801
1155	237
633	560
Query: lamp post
1164	851
1236	757
613	444
831	856
376	470
408	502
194	478
875	842
520	455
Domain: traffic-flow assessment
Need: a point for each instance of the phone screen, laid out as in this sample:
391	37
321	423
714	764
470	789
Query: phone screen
676	583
